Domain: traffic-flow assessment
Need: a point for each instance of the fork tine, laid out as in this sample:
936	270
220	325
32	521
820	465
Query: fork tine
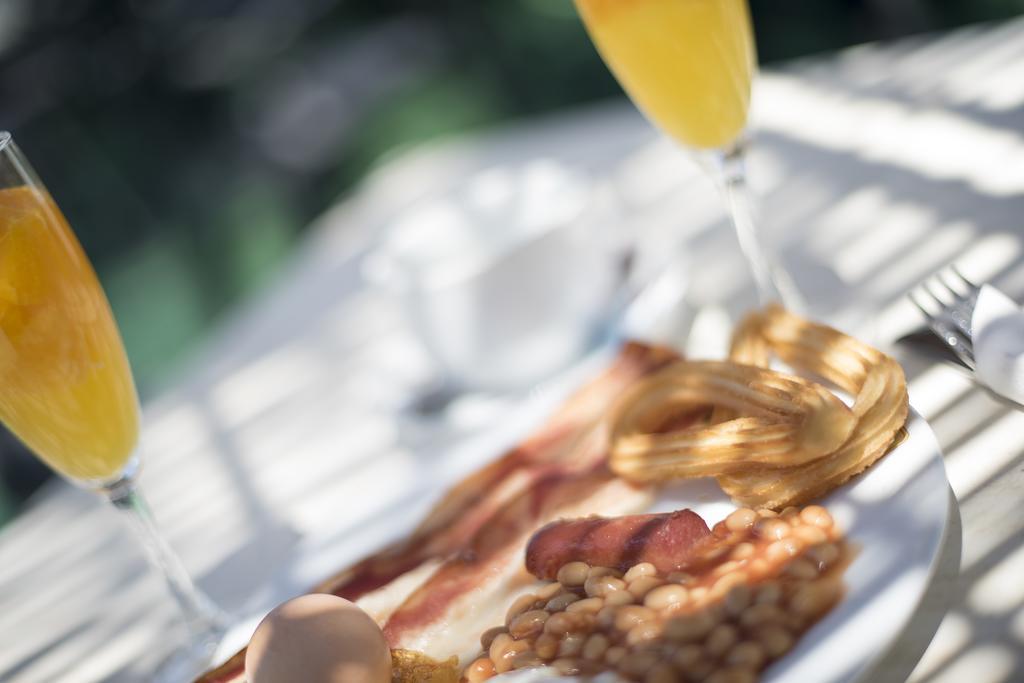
971	287
927	287
951	320
917	304
959	312
946	327
957	296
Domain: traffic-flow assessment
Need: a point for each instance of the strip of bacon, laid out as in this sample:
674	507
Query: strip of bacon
467	508
665	540
471	591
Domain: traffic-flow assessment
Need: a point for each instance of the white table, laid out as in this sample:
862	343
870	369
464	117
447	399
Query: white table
878	165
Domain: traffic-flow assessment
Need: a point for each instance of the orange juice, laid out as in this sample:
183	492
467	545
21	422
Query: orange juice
687	64
65	386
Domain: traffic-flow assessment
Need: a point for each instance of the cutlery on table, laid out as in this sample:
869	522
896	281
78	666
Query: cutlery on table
981	326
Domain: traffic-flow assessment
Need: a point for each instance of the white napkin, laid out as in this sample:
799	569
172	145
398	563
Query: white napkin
997	329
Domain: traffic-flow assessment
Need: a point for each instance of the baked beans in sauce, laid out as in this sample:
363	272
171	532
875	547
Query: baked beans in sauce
754	586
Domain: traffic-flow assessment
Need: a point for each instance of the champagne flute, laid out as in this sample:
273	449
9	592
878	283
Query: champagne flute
688	64
65	386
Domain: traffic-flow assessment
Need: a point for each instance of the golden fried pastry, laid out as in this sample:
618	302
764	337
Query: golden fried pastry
874	379
772	439
783	420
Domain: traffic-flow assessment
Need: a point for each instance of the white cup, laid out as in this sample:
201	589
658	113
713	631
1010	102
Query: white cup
507	278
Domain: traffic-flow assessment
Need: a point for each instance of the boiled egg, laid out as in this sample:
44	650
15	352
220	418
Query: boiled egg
318	638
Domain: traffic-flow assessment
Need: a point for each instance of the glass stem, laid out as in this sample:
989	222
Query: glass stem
205	621
728	169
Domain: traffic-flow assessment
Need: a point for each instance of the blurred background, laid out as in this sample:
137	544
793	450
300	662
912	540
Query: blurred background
190	143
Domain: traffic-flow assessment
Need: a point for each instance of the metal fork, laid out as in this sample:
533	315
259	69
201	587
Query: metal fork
949	311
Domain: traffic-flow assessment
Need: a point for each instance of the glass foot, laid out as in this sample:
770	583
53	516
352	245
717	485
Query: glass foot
189	661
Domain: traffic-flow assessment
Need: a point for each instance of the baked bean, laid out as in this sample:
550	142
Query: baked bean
488	636
643	632
720	640
498	646
606	617
689	627
640	587
738	599
549	591
715	554
768	594
614	654
523	603
573	574
479	671
732	675
686	656
766	513
758	614
572	645
546	645
758	568
789	513
595	647
665	596
810	535
637	663
746	655
700	670
741	520
816	515
528	624
812	599
775	640
727	583
780	551
699	593
727	567
566	667
661	673
682	578
631	615
801	569
564	623
619	598
823	554
588	605
503	662
525	659
743	551
560	602
638	570
599	586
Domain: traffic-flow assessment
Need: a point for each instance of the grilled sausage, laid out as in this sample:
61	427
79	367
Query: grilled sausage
664	539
